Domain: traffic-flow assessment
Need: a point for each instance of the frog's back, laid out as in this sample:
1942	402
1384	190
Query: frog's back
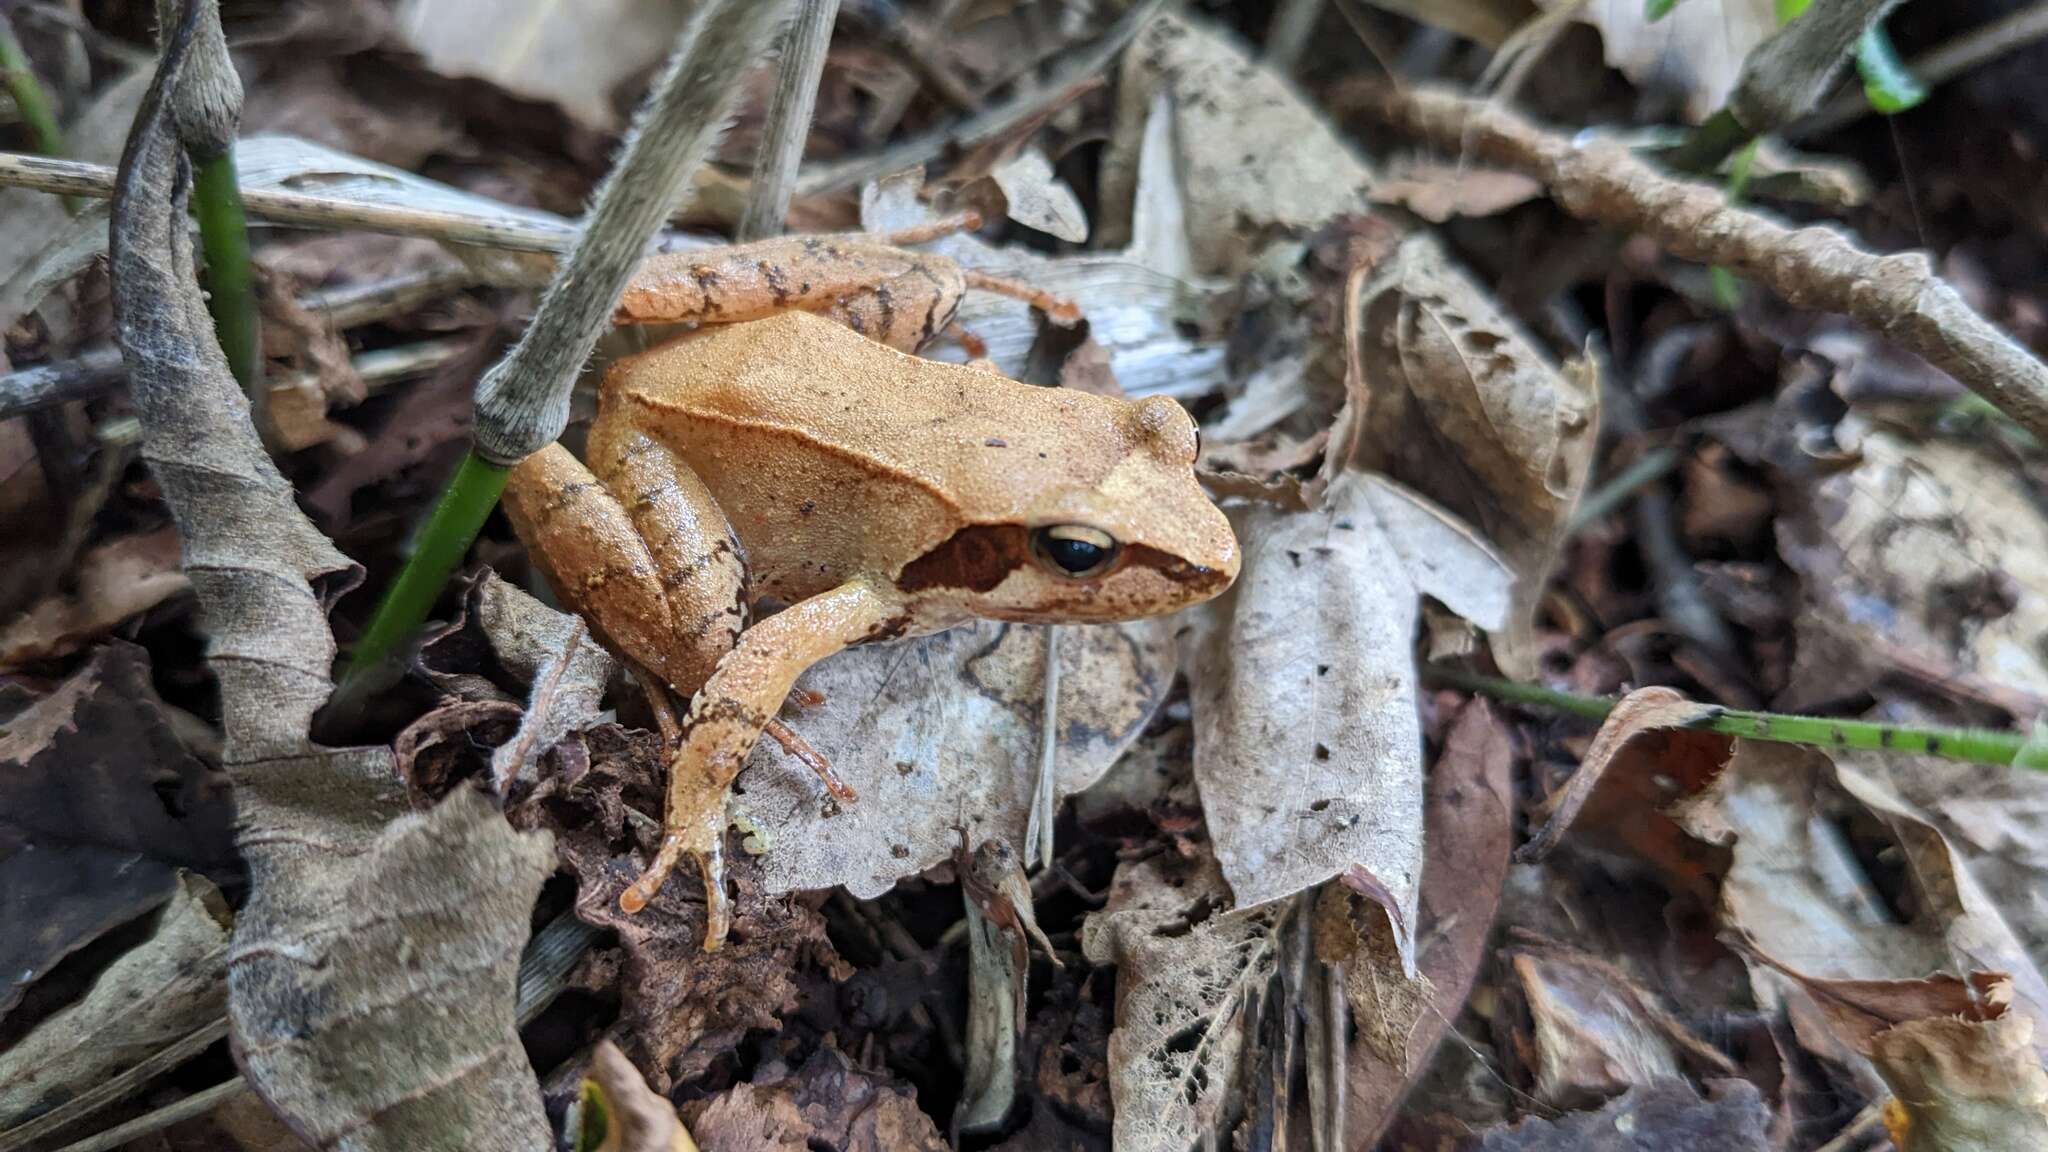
832	454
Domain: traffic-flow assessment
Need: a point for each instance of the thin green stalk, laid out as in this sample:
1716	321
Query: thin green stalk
230	283
1974	745
440	545
30	98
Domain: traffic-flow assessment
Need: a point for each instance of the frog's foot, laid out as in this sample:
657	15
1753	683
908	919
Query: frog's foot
931	230
800	748
710	858
1058	307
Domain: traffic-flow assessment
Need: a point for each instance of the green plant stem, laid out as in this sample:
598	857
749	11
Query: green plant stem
440	545
30	98
230	281
1974	745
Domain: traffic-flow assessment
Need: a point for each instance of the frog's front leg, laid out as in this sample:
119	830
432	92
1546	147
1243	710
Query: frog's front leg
726	718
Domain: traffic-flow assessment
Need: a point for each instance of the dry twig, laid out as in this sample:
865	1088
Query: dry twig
1815	268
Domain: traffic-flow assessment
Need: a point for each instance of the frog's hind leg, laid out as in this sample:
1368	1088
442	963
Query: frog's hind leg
601	568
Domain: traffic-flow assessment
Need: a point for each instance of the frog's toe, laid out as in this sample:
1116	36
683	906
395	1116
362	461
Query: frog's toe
644	889
717	905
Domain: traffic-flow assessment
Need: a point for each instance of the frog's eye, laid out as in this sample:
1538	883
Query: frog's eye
1073	550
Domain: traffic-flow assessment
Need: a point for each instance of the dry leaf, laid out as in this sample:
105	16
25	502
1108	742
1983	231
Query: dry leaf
100	805
1036	198
1911	550
1644	758
1593	1032
1256	162
289	164
123	577
635	1118
1133	300
168	985
340	998
1695	51
1996	818
1437	191
1964	1067
682	1009
1795	890
1308	750
1662	1117
829	1102
94	135
940	733
1448	396
1184	970
555	654
1469	814
574	54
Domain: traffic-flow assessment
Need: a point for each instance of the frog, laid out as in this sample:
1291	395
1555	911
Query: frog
783	482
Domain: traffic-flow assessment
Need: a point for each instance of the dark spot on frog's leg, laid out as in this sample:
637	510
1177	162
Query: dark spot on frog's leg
1884	737
888	629
1836	734
778	284
888	305
724	709
707	283
1934	745
854	319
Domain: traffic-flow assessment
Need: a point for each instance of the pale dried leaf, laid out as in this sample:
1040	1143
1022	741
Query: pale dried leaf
1257	163
1667	1115
122	577
1438	191
1469	816
1964	1066
1308	750
1184	969
1795	890
1594	1032
1911	551
1036	198
171	983
636	1118
1132	299
1448	396
827	1103
340	1000
553	652
1695	52
94	136
942	732
1996	818
289	164
574	54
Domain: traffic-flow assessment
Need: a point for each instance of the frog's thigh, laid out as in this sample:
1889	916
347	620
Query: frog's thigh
596	562
696	556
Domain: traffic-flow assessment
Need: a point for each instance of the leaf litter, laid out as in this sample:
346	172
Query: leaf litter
1270	904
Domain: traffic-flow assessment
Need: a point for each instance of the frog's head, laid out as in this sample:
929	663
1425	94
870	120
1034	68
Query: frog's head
1109	524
